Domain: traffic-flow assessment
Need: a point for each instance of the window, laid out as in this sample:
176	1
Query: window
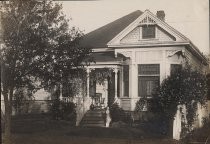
148	79
148	31
175	68
126	80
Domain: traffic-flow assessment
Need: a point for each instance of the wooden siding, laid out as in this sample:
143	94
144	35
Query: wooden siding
195	62
145	56
135	36
162	36
126	103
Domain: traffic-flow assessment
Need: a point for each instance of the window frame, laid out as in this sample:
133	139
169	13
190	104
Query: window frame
143	37
127	87
147	75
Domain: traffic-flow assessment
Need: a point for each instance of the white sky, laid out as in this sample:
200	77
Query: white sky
190	17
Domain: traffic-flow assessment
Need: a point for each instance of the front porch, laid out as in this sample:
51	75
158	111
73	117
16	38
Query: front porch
108	80
103	85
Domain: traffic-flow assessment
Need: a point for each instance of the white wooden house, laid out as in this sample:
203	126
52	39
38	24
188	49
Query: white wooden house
142	50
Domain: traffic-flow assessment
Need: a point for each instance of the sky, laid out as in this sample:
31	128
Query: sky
190	17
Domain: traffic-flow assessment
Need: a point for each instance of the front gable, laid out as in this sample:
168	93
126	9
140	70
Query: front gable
135	36
137	32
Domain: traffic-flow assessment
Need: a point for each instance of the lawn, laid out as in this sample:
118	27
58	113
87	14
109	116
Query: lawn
77	135
44	131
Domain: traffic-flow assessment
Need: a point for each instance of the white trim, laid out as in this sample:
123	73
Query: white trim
102	66
157	43
147	49
102	49
106	63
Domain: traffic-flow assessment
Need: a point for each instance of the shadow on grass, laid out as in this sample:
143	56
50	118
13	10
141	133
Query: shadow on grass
98	132
35	123
118	133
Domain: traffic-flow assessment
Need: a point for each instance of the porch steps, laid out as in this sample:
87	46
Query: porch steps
93	118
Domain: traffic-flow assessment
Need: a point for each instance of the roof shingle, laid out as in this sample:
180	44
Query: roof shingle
101	36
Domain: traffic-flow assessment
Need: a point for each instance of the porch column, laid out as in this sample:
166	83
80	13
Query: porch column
116	80
88	82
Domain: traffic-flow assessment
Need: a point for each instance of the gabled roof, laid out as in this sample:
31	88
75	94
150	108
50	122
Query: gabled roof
101	36
147	18
109	36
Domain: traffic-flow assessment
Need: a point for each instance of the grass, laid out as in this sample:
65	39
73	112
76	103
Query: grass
42	130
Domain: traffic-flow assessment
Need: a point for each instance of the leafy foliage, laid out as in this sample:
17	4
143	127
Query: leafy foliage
152	105
38	42
118	114
99	75
37	45
198	134
184	87
140	104
153	116
75	83
208	85
22	97
63	111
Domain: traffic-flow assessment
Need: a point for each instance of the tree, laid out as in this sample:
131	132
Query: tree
208	84
37	45
184	87
21	101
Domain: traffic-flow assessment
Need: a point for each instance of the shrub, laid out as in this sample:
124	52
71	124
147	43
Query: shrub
153	118
140	104
152	105
184	87
55	109
68	111
117	113
198	134
63	111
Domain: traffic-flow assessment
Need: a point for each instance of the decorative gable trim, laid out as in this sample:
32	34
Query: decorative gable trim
147	18
147	21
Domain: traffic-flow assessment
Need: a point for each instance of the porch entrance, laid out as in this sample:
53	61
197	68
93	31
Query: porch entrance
99	94
103	94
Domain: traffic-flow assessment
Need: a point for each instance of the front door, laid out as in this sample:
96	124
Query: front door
102	94
99	94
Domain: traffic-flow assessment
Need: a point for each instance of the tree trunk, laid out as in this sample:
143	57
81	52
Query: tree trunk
7	132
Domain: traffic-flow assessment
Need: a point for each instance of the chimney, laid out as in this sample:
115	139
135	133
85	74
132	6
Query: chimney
161	15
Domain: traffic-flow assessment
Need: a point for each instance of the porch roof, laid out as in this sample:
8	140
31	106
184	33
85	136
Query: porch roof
106	57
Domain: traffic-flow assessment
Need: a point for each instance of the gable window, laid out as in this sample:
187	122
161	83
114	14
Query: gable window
148	79
148	31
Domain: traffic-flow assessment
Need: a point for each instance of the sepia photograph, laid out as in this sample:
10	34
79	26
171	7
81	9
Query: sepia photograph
105	71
